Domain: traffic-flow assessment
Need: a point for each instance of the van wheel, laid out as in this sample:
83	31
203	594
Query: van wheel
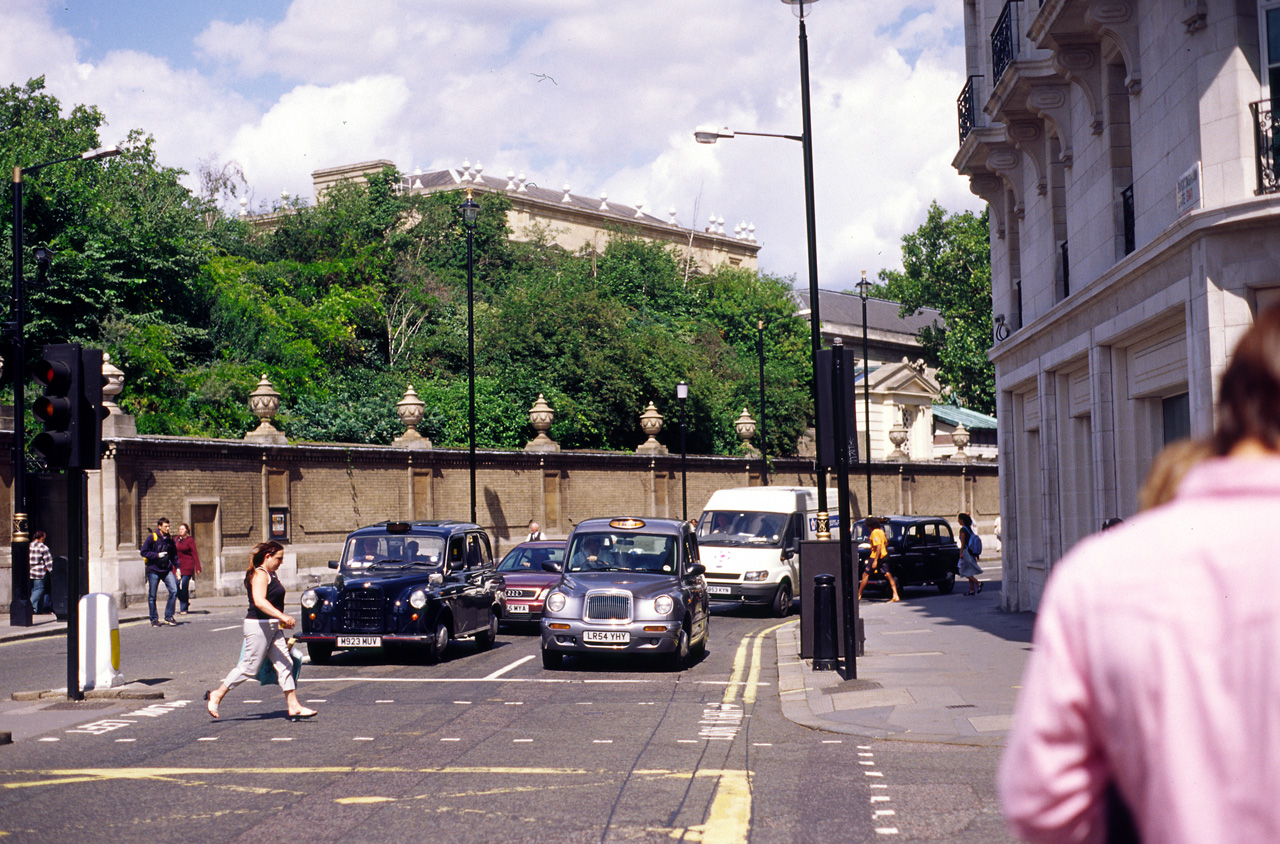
782	600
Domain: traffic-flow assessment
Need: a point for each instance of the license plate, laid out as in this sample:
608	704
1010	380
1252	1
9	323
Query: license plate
359	641
719	590
609	637
518	609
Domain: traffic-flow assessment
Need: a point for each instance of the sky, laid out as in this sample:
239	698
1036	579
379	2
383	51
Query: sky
600	95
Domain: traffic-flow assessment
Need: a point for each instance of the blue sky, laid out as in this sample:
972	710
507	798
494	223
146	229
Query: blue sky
284	87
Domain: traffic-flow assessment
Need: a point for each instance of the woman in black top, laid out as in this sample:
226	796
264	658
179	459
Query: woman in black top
263	632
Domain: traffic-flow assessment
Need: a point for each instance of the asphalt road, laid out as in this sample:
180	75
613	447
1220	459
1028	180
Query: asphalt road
486	747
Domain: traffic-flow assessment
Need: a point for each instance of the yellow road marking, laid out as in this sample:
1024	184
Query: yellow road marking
752	644
729	819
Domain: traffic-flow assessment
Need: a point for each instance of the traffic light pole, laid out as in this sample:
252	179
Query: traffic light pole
20	608
77	565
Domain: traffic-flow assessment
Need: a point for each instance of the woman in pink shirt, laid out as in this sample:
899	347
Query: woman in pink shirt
1155	674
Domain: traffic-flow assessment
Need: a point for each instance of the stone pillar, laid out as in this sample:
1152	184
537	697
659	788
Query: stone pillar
265	402
541	415
411	409
651	424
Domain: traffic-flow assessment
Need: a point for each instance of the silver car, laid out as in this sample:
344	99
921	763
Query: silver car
629	586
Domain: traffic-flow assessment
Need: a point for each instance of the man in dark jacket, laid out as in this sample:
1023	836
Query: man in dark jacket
161	554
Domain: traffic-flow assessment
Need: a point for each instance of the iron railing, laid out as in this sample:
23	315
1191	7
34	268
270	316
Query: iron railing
1004	40
1266	140
967	107
1127	213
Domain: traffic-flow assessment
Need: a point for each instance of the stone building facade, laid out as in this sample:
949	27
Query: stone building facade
1127	150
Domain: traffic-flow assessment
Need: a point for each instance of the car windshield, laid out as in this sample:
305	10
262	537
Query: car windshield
739	527
531	559
861	534
633	552
391	551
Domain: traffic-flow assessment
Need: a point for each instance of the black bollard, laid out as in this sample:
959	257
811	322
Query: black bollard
825	652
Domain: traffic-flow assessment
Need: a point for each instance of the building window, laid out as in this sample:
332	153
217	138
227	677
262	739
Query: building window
1126	212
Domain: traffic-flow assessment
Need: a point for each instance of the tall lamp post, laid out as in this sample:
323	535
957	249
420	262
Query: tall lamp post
764	457
864	288
20	606
801	9
682	393
470	210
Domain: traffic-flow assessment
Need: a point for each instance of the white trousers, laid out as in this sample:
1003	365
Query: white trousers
263	639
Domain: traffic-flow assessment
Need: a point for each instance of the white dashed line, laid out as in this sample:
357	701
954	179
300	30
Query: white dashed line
450	739
761	744
283	738
832	741
602	741
686	741
317	700
522	740
513	703
879	798
125	740
48	738
233	627
384	701
873	773
865	762
463	702
495	675
880	813
207	738
361	738
887	830
253	701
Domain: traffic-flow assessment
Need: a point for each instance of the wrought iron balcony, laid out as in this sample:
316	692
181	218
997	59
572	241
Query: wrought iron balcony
1004	39
967	107
1266	140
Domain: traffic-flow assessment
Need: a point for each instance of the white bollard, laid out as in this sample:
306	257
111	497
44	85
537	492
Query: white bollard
99	642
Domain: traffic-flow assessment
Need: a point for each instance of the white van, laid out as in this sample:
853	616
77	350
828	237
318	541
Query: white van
749	542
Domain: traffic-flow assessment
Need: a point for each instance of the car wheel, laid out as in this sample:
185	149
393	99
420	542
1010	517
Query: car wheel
782	600
947	583
551	660
441	643
678	658
699	649
485	638
320	652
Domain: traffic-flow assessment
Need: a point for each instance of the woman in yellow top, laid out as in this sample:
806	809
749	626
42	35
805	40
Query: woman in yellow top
879	550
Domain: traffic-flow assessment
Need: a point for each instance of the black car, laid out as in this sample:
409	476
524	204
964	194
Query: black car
629	586
409	583
922	551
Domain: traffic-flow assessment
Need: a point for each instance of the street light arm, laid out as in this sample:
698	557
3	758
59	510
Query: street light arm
88	155
710	136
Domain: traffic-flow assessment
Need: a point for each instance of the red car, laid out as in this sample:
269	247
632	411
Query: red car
529	571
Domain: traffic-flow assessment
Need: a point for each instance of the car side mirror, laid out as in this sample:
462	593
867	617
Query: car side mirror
435	579
697	570
333	564
552	567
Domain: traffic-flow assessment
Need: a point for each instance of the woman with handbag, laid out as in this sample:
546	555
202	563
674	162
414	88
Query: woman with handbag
968	559
263	632
188	566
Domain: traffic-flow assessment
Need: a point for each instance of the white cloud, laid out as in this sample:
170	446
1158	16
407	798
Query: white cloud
604	96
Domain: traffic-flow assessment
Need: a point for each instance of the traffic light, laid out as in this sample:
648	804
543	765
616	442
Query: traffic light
92	413
60	406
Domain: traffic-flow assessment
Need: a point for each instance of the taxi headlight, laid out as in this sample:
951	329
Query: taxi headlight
418	599
663	604
310	599
556	601
755	576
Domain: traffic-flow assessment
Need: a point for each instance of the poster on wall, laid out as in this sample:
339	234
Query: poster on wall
279	523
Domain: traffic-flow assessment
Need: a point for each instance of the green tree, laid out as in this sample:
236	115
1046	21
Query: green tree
947	266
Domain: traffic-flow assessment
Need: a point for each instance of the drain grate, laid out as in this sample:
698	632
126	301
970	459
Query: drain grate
963	706
80	704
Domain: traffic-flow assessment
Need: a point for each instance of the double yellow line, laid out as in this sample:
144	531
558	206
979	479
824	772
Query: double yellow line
752	644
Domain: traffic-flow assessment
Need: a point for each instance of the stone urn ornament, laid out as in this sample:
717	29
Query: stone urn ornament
898	436
114	377
411	409
960	438
651	424
541	415
746	428
264	401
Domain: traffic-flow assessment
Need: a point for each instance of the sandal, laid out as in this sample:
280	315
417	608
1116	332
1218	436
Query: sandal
212	706
302	714
979	585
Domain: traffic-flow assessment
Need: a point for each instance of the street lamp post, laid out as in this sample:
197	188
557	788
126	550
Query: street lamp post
682	393
470	210
703	136
864	288
764	457
20	606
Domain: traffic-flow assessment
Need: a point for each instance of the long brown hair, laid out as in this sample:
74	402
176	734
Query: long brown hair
260	553
1249	401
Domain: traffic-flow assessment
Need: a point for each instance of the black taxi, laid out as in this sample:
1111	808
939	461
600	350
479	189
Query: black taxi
421	583
922	551
628	586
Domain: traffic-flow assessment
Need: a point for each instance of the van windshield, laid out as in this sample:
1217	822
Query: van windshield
741	527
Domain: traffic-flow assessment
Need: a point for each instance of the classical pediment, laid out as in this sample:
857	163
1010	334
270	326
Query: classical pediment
905	379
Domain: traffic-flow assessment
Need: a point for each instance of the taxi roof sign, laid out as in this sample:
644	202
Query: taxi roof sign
627	524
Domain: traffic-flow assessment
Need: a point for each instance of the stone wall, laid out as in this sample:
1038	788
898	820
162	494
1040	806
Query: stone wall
228	491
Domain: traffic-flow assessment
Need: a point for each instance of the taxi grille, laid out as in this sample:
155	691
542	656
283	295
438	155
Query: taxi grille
363	611
607	606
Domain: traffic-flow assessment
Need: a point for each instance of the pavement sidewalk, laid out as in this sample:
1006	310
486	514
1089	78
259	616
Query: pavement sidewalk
937	668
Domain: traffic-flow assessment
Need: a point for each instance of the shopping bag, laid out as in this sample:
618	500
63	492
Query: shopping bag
267	670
